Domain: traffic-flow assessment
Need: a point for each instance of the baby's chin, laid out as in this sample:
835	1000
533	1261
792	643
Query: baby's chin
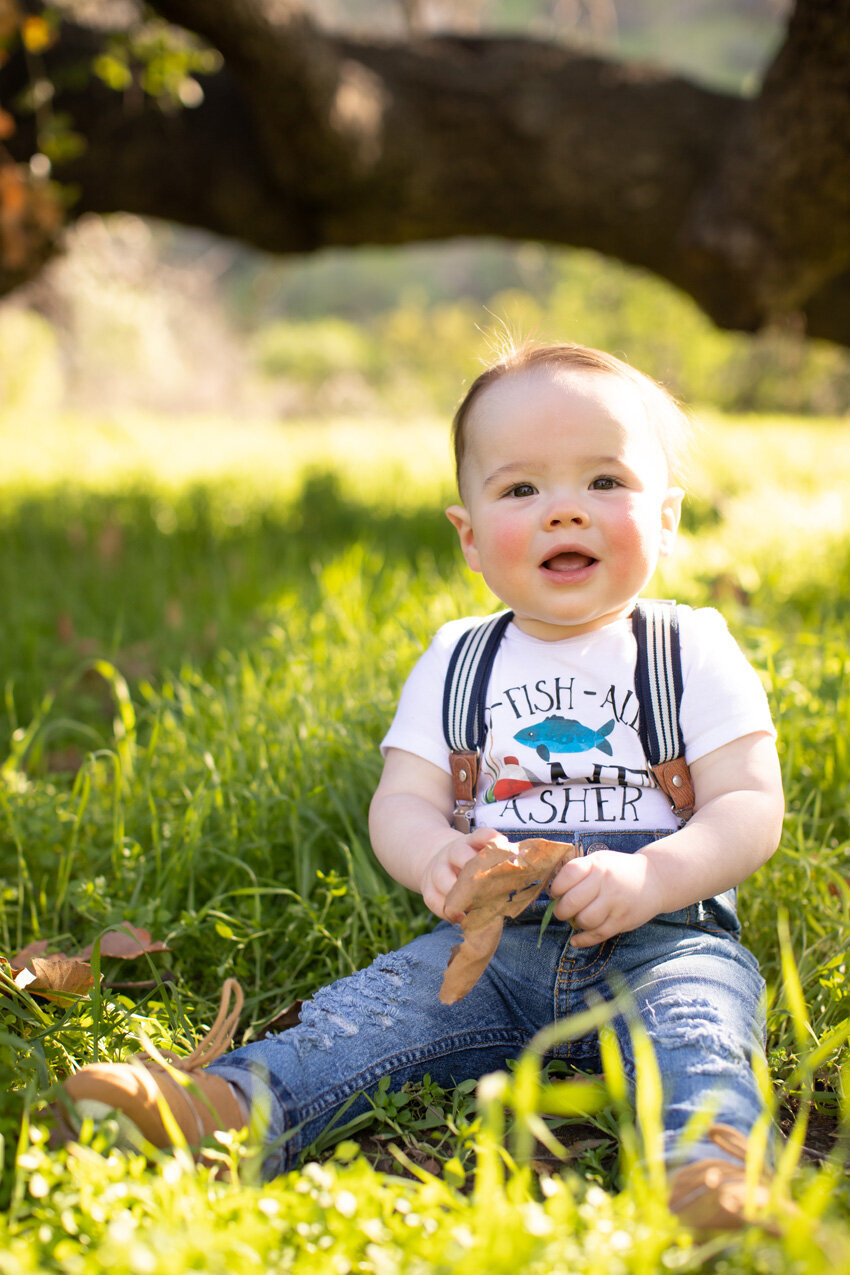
558	629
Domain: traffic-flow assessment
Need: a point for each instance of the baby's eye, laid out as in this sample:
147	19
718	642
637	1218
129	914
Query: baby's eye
605	483
521	489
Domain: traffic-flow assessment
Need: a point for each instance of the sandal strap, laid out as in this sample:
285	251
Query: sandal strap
730	1140
219	1037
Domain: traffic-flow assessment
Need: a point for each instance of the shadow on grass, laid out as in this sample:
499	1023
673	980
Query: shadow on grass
151	582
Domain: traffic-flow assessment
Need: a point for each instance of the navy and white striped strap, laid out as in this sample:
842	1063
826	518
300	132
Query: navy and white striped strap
658	679
465	688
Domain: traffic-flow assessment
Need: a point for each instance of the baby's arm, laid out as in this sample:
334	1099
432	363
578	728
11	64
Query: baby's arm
410	826
736	828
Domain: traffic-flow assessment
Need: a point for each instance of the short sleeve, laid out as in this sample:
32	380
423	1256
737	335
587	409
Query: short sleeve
418	723
722	698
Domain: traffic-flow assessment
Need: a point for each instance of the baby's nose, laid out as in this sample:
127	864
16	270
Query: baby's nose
566	513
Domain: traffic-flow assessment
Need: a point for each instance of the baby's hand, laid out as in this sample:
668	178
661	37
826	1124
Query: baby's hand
606	893
442	870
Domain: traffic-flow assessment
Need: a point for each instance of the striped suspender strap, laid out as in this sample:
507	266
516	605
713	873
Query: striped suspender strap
466	683
658	679
464	695
658	683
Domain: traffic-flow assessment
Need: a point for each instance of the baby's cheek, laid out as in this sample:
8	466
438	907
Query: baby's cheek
510	543
630	541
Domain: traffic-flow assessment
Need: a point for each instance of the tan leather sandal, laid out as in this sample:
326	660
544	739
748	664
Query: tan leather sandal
711	1195
137	1090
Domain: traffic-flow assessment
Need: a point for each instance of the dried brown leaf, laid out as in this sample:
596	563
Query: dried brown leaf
289	1017
60	977
494	885
37	948
127	943
56	977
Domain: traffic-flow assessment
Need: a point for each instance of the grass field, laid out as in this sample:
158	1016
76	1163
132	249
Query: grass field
207	626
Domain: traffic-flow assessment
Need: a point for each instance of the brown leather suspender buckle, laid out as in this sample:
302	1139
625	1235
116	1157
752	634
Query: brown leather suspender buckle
465	767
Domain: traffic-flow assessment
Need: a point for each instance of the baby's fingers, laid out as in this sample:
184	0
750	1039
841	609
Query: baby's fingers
482	837
588	938
569	875
576	899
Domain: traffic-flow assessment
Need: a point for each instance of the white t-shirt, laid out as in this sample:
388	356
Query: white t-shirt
562	749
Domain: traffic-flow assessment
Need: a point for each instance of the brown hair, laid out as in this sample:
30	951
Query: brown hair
668	418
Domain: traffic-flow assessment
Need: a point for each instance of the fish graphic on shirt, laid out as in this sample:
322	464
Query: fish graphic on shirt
562	735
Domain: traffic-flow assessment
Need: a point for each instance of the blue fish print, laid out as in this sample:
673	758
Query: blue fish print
560	735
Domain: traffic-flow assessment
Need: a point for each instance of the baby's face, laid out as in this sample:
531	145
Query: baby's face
568	504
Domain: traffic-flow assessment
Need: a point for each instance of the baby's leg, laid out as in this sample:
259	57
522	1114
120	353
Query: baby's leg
388	1021
699	995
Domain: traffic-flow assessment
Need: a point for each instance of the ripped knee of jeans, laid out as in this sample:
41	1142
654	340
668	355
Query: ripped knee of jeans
367	999
697	1025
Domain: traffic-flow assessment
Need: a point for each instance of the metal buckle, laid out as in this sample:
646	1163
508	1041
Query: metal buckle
462	817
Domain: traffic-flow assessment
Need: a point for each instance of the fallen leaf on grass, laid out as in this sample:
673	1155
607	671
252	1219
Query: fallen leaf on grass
56	978
289	1017
494	885
38	947
127	943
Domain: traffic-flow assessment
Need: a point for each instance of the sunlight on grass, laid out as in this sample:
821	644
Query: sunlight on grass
210	621
381	460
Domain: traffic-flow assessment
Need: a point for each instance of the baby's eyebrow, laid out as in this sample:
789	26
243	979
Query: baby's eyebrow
500	474
601	462
529	469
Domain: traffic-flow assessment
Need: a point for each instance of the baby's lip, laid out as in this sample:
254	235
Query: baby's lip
568	560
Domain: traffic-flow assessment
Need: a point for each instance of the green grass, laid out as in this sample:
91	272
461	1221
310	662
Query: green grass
207	626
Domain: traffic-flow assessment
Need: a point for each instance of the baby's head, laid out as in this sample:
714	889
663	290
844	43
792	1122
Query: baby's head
566	459
668	421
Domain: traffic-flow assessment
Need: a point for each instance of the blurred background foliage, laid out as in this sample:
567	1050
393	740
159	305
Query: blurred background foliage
144	314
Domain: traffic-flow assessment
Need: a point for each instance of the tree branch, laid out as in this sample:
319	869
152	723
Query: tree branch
308	139
288	71
441	137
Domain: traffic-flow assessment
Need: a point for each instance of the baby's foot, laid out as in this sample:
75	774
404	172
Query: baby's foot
712	1195
199	1102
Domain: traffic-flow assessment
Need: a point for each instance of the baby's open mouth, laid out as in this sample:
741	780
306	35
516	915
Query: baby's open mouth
568	561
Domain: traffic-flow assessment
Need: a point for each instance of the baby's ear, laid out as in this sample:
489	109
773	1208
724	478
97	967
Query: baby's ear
671	512
462	523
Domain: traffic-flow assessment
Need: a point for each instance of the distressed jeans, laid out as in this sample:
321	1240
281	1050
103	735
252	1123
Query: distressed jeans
697	991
